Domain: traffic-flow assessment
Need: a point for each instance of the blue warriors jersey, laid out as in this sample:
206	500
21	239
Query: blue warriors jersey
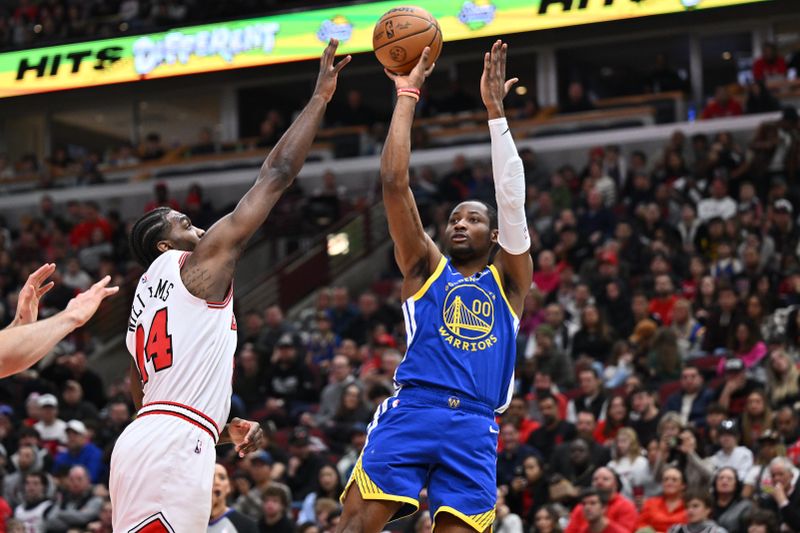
461	337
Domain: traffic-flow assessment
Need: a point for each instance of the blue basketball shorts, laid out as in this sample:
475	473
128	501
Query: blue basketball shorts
426	438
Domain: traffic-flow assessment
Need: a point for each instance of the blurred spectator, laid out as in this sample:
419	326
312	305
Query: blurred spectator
301	472
760	99
52	430
664	78
698	515
620	510
328	486
722	105
595	506
33	508
205	143
80	451
75	505
662	512
770	66
729	510
785	498
152	149
275	508
223	518
161	198
576	100
554	430
731	454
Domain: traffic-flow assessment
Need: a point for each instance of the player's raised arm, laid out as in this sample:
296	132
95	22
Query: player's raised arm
415	252
514	259
209	271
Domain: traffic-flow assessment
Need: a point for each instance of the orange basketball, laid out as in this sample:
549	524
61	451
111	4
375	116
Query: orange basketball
402	34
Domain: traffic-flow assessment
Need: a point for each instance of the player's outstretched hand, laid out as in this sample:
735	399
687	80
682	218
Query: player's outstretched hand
494	86
328	72
417	76
31	293
245	435
83	306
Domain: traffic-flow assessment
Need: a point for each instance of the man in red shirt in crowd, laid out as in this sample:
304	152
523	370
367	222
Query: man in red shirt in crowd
722	105
770	65
620	510
595	505
517	414
661	306
81	234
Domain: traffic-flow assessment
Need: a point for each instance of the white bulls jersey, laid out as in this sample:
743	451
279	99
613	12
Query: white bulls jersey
162	468
182	345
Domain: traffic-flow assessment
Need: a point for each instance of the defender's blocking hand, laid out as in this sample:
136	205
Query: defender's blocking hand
328	72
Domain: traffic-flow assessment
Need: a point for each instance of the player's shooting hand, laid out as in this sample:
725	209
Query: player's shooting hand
31	293
328	72
83	306
415	78
494	86
245	435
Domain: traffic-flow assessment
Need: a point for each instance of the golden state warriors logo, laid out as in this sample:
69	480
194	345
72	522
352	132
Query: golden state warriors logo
468	315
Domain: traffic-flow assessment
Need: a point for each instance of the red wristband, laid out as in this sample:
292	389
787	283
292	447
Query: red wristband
410	92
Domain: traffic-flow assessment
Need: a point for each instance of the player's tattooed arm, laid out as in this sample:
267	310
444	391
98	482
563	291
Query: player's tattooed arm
415	252
224	242
245	434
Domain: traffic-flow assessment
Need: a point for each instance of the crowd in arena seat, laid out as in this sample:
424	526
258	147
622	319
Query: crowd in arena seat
28	23
657	355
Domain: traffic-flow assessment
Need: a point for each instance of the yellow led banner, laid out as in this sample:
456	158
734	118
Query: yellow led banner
297	36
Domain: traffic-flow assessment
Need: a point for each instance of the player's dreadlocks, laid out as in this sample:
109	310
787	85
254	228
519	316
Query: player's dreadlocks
146	233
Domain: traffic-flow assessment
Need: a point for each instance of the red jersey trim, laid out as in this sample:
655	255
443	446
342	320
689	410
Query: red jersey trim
192	409
182	417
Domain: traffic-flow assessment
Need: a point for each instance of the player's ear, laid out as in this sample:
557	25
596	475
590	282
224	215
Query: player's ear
164	246
493	235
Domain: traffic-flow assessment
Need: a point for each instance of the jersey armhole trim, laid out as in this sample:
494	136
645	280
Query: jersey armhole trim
433	277
211	305
496	275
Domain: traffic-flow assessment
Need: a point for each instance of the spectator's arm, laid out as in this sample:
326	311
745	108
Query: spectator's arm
77	517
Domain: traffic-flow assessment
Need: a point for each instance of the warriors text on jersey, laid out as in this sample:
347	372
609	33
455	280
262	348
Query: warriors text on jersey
461	336
183	346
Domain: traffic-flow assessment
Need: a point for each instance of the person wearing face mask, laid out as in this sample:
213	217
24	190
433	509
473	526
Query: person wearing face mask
224	519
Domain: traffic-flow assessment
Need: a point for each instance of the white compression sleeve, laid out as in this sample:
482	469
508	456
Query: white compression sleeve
509	186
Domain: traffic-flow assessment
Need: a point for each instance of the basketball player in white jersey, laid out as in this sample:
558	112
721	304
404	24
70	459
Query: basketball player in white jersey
182	335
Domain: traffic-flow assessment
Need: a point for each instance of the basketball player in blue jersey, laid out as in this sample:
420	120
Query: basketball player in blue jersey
461	314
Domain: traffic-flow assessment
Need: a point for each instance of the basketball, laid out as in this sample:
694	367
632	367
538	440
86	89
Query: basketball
402	34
